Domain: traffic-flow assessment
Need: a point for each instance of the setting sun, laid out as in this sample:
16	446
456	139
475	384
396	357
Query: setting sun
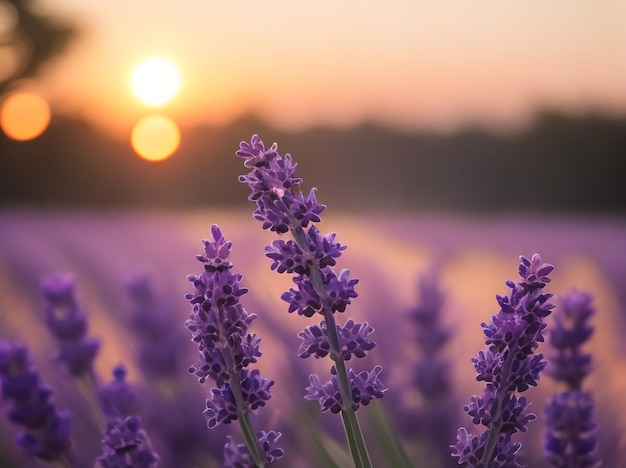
155	137
155	81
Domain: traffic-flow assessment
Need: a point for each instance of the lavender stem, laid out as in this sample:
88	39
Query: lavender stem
354	435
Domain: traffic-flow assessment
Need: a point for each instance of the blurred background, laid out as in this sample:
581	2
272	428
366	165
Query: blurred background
446	138
436	105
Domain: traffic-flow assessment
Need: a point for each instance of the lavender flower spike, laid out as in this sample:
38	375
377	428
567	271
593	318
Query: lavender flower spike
219	325
508	366
310	257
46	433
571	439
68	323
125	442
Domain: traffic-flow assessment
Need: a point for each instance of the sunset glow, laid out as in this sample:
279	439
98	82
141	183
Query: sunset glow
155	81
24	116
155	138
406	64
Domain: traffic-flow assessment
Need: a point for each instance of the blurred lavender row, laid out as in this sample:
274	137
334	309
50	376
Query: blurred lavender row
425	286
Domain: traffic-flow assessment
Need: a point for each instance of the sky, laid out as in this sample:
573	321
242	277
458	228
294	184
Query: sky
433	64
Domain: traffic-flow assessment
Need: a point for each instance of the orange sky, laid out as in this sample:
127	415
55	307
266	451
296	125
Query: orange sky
434	63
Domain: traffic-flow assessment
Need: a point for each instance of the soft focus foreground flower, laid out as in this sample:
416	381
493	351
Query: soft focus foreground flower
238	456
431	373
155	328
311	256
46	433
508	366
219	325
125	442
68	323
117	398
571	439
435	421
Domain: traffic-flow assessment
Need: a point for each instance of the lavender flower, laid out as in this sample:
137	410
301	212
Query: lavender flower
571	439
155	329
126	444
508	366
311	256
117	398
68	323
365	387
46	433
435	420
238	456
219	325
431	372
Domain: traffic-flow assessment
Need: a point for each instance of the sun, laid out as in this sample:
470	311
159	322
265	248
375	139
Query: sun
155	81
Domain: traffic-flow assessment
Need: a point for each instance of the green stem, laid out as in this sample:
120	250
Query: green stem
496	426
396	454
354	435
355	439
490	445
88	388
243	414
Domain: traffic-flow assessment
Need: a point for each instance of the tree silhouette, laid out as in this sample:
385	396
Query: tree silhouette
34	39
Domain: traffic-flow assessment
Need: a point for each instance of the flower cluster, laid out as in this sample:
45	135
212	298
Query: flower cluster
432	372
117	398
219	325
237	455
508	366
366	386
47	431
571	438
310	257
155	329
435	421
125	442
68	323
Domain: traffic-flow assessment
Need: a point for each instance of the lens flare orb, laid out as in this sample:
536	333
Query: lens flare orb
155	138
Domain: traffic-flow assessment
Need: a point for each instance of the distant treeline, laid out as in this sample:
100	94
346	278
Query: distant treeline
561	163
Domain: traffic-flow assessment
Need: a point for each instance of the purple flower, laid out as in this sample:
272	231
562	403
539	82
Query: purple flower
237	456
154	326
310	257
289	258
353	337
219	325
273	185
222	406
126	444
435	420
117	398
470	450
46	433
570	330
571	436
68	323
431	372
365	386
507	366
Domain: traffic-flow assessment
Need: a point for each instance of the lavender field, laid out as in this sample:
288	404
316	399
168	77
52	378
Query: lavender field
471	257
